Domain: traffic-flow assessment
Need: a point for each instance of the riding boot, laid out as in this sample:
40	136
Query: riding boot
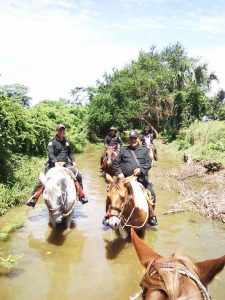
82	197
152	220
34	198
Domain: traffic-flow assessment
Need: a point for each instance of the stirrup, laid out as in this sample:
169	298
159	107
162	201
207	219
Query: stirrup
83	199
31	201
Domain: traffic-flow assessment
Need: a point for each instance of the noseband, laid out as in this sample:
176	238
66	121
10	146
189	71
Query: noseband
168	267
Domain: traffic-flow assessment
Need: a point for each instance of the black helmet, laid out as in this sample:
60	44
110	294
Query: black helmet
134	134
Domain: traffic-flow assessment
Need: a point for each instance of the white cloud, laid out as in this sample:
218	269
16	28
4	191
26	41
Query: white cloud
53	53
53	46
211	24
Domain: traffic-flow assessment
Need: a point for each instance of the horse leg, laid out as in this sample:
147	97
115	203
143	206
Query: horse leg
123	232
69	220
52	221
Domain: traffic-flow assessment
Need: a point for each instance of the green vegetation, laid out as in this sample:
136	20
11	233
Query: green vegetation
10	261
25	133
166	89
10	227
204	140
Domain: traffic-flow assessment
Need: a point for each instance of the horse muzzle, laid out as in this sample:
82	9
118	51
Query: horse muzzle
114	222
58	220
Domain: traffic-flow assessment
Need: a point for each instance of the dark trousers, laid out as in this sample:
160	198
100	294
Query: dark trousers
149	186
67	165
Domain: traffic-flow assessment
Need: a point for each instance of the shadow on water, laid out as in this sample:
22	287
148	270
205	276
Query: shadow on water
11	273
57	236
114	247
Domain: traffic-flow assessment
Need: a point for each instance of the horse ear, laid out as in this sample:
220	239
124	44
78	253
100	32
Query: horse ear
108	178
144	252
208	269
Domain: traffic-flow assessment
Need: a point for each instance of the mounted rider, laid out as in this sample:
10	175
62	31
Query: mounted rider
134	159
147	138
59	153
112	140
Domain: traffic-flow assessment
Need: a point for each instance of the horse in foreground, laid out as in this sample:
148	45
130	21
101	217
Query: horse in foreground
107	160
176	278
128	205
60	195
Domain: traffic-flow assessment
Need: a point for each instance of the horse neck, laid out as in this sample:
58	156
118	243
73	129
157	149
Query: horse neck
67	185
139	197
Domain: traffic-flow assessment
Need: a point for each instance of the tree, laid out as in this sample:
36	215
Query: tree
17	93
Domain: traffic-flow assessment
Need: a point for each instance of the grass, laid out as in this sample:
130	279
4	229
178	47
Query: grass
24	178
203	140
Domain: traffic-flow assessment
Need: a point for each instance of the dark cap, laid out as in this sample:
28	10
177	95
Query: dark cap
134	134
60	126
113	128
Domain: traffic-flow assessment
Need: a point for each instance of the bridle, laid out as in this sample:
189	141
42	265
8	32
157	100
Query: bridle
169	267
119	213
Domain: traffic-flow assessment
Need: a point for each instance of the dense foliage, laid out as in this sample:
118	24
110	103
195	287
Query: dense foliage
27	131
166	89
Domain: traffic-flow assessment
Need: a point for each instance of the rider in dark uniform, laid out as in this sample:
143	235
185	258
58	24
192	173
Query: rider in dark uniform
112	140
59	151
135	160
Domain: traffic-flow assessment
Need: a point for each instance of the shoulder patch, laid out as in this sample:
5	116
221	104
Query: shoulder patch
50	144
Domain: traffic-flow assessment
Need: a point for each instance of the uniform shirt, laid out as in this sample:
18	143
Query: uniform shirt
59	151
113	140
125	162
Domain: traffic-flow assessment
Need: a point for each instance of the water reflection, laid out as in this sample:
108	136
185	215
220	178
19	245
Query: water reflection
92	262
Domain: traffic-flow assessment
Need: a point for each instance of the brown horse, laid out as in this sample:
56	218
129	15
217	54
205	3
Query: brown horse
174	278
127	205
107	159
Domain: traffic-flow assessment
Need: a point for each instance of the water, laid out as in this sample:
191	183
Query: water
90	262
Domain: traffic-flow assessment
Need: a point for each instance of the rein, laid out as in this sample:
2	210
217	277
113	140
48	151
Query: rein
182	271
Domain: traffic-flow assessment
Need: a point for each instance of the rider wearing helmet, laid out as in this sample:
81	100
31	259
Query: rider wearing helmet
134	159
59	153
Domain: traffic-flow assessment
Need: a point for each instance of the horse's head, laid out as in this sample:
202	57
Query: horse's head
117	193
110	155
54	195
174	278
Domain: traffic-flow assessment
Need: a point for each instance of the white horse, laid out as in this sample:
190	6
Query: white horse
59	194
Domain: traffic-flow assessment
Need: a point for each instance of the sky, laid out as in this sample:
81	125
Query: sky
52	46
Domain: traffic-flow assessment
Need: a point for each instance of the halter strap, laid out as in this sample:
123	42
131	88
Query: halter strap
169	267
111	207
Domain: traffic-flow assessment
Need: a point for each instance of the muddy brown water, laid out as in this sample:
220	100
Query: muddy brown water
91	262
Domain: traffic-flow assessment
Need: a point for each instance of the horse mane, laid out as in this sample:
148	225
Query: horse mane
53	184
168	282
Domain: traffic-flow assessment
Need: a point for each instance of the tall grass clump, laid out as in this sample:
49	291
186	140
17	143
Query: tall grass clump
204	140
